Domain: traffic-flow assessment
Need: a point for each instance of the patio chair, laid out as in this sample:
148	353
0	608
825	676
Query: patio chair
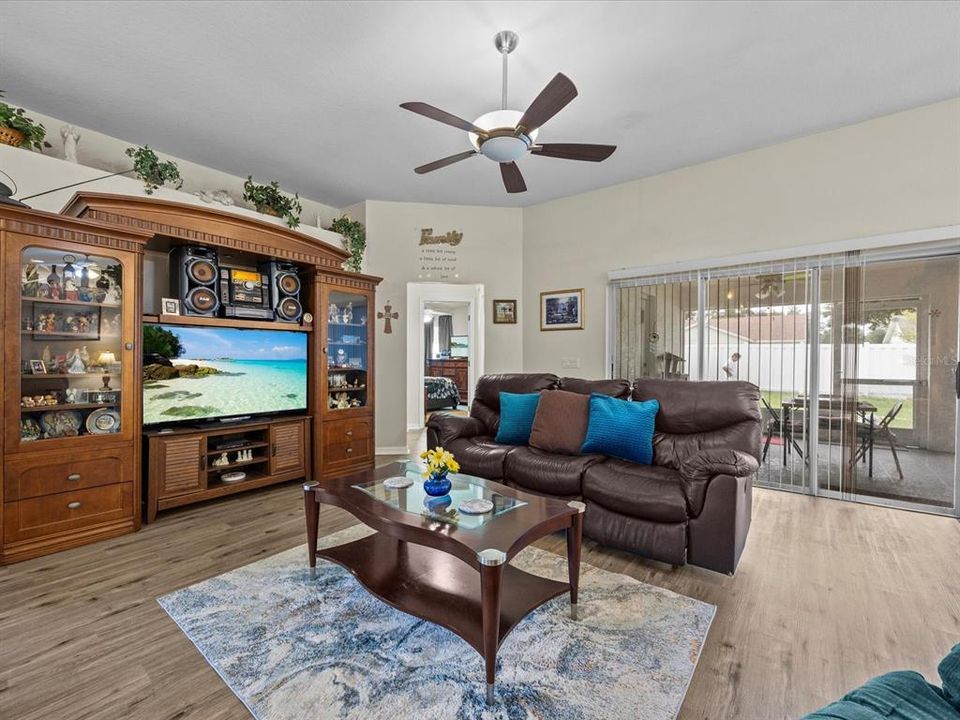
776	426
868	435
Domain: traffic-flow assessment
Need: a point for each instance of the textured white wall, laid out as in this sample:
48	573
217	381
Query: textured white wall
893	173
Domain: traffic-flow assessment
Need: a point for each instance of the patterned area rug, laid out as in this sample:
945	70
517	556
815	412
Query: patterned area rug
293	647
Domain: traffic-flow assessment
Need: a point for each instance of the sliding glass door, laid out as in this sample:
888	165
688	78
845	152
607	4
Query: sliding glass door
855	356
890	430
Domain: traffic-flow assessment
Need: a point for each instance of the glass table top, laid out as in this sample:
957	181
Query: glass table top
414	500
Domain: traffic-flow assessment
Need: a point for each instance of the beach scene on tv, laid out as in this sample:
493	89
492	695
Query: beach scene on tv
204	373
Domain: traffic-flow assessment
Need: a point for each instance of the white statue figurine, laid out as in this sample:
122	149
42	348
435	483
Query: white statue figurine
71	138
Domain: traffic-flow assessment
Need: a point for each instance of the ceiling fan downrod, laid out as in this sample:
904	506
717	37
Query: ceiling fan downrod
506	42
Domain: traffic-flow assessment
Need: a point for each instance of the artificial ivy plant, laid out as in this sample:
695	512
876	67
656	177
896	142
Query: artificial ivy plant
16	119
354	240
268	200
152	170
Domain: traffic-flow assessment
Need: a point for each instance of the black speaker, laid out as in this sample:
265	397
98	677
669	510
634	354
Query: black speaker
284	290
194	273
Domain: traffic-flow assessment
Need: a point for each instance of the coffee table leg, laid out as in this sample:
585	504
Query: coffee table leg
311	511
574	538
491	571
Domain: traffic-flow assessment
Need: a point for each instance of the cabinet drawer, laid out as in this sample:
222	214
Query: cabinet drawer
65	512
59	472
347	453
345	431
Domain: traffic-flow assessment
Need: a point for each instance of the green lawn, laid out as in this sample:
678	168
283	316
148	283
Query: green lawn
904	419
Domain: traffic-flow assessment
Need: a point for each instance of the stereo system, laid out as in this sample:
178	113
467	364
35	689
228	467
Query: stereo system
284	290
194	271
271	292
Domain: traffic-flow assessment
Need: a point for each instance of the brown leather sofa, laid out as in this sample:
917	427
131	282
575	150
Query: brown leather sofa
692	505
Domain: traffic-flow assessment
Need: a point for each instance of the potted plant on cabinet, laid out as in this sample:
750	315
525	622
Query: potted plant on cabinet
268	199
17	129
354	240
152	170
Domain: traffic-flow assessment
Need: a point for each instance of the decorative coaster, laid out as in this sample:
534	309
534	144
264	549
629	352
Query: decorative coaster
398	483
475	506
232	477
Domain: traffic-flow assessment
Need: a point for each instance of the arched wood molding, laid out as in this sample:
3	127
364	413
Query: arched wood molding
85	231
208	226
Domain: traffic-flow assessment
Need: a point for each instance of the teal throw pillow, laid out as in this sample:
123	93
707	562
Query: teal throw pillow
621	428
516	417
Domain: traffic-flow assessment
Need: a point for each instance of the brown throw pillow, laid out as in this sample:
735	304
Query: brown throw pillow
561	422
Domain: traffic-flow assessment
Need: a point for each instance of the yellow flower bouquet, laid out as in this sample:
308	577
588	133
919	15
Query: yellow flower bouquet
438	463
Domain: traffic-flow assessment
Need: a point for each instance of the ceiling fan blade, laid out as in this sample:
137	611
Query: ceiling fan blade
574	151
512	178
551	100
443	162
442	116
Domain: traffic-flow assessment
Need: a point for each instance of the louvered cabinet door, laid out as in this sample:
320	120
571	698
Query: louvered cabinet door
287	451
181	461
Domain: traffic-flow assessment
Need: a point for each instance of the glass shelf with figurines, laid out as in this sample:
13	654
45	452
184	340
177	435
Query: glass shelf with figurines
347	316
71	314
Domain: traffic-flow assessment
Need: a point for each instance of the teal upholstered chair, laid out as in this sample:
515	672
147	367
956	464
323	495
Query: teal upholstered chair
901	695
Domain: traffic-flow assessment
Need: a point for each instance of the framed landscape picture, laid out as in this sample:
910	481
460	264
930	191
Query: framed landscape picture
561	310
504	312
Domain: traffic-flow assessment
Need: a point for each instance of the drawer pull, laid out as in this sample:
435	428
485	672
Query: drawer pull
73	505
349	450
73	477
349	433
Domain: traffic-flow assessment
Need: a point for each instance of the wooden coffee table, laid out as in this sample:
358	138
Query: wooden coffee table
449	568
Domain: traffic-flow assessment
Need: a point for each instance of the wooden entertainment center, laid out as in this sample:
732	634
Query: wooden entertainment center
78	465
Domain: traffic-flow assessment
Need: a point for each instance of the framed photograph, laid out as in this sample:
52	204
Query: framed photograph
169	306
37	367
561	310
504	312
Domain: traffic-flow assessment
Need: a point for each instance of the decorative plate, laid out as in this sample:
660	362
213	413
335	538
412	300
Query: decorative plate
397	483
103	421
232	477
475	506
61	423
30	429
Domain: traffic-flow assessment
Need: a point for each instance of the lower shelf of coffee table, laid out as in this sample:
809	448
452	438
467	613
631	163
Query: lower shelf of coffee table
440	588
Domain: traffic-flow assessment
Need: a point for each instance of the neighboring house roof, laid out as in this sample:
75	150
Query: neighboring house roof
760	328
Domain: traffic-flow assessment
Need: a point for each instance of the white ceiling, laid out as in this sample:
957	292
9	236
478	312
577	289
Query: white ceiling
308	93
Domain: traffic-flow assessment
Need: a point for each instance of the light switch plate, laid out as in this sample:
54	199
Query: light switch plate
570	363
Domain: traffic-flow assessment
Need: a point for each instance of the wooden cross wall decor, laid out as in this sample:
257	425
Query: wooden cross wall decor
387	316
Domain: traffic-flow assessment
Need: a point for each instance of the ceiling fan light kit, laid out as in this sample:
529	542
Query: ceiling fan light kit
505	136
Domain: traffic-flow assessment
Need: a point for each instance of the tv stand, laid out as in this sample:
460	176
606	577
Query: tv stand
184	466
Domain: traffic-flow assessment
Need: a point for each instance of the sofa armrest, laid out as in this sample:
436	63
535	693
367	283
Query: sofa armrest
701	467
447	427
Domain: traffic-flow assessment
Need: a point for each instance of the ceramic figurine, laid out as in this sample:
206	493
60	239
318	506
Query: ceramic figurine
334	314
84	355
215	196
46	356
348	314
75	364
71	138
341	357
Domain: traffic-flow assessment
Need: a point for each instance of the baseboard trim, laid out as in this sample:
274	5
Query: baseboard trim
393	450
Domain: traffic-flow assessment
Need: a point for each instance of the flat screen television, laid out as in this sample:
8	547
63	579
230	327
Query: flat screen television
193	373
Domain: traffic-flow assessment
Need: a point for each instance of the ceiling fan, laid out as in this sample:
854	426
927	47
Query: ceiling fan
505	135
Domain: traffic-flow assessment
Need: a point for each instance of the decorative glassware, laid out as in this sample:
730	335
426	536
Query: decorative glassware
438	484
439	463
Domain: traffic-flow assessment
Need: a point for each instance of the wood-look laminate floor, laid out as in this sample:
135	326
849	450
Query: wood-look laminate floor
828	594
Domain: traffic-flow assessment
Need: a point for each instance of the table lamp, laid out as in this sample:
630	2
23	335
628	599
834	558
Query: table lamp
105	360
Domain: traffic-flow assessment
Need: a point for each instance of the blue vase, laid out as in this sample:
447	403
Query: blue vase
437	484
